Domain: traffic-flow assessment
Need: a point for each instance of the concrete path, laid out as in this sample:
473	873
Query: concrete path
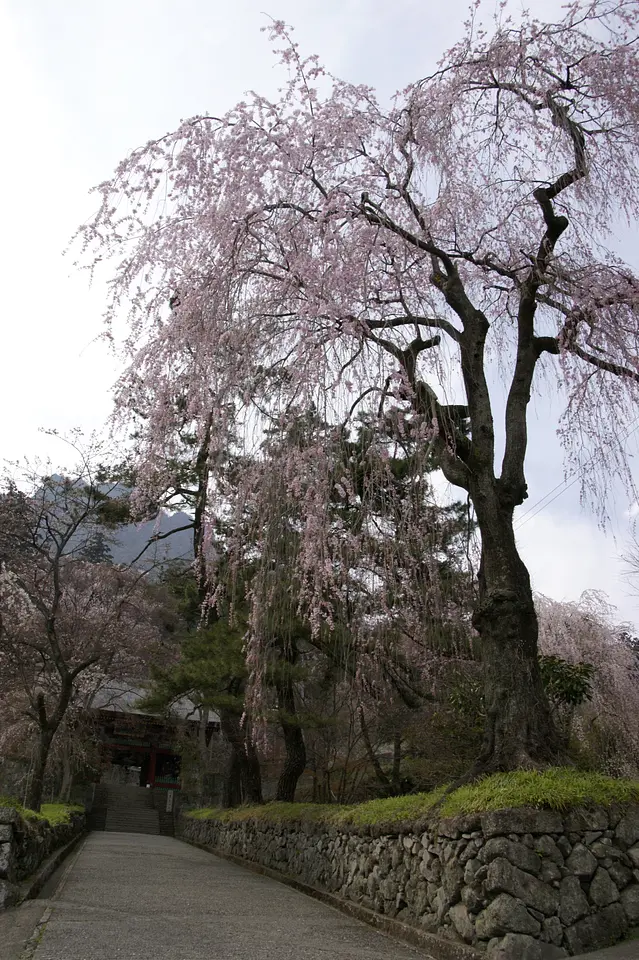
16	926
137	897
623	951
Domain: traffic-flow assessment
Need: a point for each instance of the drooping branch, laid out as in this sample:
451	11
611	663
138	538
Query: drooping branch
618	369
375	215
436	323
295	229
450	444
160	536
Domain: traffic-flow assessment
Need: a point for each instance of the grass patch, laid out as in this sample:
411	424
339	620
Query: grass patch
57	813
274	812
390	810
24	812
53	813
559	788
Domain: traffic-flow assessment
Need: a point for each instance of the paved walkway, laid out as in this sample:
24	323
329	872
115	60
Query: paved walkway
623	951
137	897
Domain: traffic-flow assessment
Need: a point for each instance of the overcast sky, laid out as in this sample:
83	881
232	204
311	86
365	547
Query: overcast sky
83	83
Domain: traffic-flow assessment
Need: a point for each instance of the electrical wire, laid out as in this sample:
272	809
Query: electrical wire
532	511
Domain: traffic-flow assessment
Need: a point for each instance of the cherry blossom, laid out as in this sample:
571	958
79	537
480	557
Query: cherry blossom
323	250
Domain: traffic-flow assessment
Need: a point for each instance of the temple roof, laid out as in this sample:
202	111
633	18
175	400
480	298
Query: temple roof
123	696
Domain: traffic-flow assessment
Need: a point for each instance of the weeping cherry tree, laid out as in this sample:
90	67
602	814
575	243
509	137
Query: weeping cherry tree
322	248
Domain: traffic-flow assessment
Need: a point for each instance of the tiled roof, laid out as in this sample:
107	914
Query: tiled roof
121	696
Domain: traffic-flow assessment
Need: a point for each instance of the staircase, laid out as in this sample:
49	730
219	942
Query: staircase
128	809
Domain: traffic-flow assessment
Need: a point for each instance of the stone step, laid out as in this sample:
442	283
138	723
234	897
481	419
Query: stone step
140	800
149	831
150	822
135	816
124	804
129	809
97	818
128	792
116	826
146	817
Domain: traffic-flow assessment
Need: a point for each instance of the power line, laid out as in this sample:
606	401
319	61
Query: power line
530	516
533	506
532	511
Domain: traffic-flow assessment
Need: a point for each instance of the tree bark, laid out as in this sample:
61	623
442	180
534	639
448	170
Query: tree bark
520	731
372	756
232	791
245	762
47	727
33	799
251	773
396	782
67	777
205	780
295	762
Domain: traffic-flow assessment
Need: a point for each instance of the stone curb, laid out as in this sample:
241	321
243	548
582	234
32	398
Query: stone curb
436	947
31	887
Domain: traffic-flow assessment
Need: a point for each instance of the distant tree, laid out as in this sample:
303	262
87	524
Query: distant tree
596	687
210	669
96	548
64	622
630	641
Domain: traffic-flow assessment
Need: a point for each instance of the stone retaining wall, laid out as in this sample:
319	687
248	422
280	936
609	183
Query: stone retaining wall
25	845
517	884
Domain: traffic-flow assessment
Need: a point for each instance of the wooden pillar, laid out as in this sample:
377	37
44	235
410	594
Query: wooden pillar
151	778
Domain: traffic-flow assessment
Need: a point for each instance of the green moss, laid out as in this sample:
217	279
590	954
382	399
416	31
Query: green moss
10	802
54	813
556	789
60	812
389	810
273	812
15	804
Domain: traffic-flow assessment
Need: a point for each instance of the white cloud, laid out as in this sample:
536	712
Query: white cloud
567	555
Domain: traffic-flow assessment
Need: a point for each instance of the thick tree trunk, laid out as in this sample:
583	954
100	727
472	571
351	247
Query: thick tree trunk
245	759
204	762
251	773
67	777
33	799
396	782
372	756
295	762
520	731
232	790
47	728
